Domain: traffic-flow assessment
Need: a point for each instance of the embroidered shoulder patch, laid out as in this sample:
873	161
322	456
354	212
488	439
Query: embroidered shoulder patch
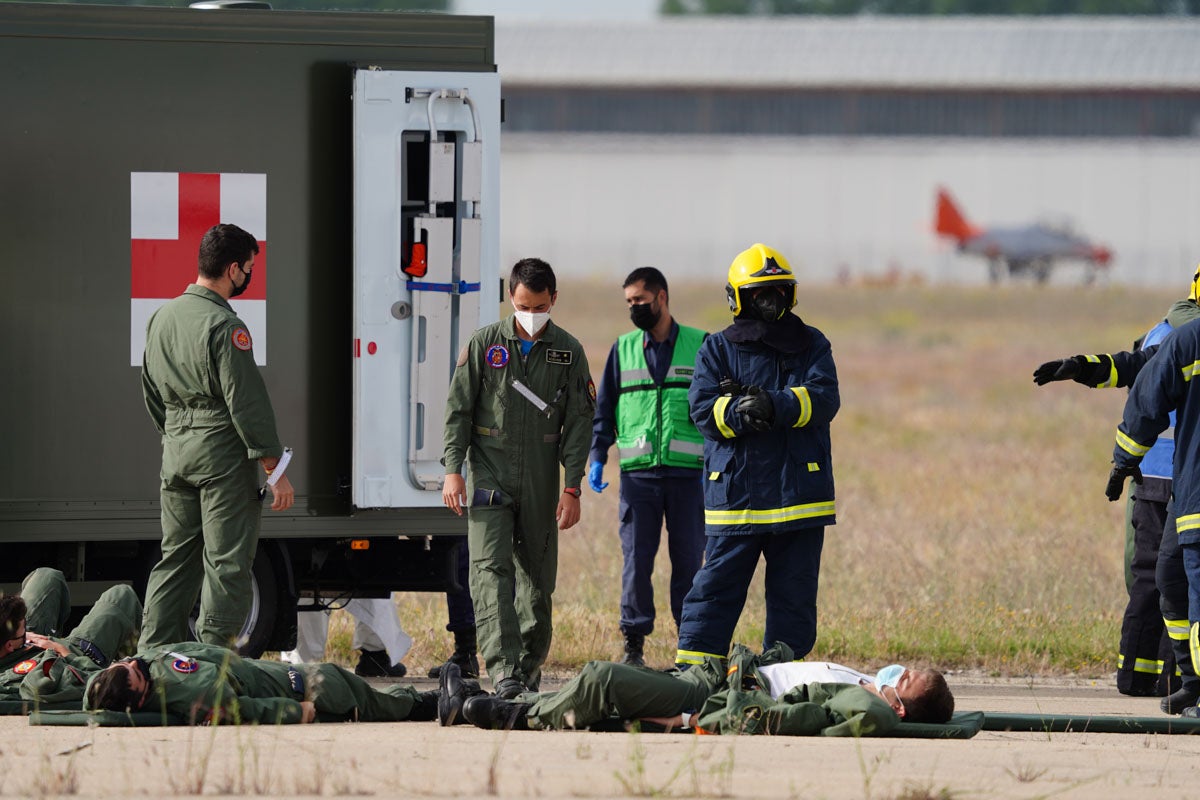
25	666
185	665
558	356
241	338
496	356
591	390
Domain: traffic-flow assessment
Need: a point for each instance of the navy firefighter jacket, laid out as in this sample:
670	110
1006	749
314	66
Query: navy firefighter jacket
780	479
1165	384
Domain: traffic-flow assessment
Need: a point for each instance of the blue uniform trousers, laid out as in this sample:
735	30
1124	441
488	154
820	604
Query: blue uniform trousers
714	604
458	604
646	499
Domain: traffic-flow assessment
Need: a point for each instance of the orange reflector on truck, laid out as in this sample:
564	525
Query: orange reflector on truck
360	544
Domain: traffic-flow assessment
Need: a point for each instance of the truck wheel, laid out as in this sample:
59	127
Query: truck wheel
264	604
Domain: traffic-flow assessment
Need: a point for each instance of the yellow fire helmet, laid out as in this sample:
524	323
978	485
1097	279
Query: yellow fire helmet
758	266
1194	295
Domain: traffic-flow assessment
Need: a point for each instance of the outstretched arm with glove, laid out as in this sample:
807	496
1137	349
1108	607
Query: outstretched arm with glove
1101	371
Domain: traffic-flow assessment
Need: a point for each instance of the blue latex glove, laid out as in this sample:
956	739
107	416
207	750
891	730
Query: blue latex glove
595	471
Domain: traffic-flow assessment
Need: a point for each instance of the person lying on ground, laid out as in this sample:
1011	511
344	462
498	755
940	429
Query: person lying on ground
39	664
208	684
768	693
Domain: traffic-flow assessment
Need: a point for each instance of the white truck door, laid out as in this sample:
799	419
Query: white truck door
426	271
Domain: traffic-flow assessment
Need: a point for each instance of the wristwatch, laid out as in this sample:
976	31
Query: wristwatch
573	491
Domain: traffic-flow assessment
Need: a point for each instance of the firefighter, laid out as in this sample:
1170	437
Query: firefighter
521	402
39	663
642	407
207	684
206	397
1164	385
1154	628
764	393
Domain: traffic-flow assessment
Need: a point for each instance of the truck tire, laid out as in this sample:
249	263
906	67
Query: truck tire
264	605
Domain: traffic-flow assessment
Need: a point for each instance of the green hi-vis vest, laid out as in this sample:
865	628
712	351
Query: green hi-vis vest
653	425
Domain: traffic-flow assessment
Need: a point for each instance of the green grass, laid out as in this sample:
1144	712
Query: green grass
972	529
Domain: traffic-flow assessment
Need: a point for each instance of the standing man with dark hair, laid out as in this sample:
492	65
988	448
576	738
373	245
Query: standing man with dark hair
642	406
764	393
207	398
521	401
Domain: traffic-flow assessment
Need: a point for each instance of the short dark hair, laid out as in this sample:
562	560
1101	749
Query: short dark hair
221	246
935	704
110	690
12	611
534	274
650	277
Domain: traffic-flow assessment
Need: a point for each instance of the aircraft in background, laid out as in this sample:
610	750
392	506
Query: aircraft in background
1030	249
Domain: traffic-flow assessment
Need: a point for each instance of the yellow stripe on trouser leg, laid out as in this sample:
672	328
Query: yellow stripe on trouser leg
693	656
1194	643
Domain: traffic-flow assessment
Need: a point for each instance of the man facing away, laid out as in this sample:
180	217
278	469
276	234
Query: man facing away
520	404
642	407
207	398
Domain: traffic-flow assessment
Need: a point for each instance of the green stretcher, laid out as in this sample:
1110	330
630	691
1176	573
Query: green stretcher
1070	723
19	708
106	719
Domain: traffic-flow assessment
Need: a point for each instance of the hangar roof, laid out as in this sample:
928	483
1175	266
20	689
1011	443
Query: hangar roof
886	52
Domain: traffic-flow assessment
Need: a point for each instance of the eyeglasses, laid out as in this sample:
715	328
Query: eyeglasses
18	638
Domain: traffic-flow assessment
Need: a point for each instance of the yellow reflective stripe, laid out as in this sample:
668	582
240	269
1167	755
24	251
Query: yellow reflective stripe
1141	664
801	393
719	417
1177	629
1188	522
767	516
1194	643
1191	371
693	656
1112	371
1130	446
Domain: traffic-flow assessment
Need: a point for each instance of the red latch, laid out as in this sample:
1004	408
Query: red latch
417	265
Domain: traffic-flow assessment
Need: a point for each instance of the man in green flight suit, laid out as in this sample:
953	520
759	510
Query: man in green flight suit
521	402
38	664
206	397
204	683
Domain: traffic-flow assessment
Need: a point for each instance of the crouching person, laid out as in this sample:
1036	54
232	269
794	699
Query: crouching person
208	684
767	694
41	665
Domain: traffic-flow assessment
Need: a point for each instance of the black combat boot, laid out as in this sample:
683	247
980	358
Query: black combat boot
634	642
510	687
427	707
464	655
495	713
1185	696
377	664
453	691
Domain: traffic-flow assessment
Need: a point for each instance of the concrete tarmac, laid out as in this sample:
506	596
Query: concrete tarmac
422	759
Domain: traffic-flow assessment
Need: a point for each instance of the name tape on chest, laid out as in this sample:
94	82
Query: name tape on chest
558	356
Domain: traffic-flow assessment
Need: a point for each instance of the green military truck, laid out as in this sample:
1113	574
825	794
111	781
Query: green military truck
362	150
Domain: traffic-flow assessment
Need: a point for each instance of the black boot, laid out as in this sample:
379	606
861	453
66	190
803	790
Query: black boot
634	642
426	708
453	692
1185	696
464	655
377	664
494	713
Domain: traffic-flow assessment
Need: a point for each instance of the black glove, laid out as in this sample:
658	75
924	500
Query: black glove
1064	369
1116	480
756	409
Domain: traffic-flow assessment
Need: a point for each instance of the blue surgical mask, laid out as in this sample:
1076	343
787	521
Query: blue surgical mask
889	676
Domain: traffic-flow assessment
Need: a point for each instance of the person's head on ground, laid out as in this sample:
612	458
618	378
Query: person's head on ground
761	285
532	289
647	297
919	695
122	686
12	624
227	259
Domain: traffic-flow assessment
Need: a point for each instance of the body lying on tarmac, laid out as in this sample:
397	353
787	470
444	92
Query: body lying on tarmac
41	665
204	683
753	694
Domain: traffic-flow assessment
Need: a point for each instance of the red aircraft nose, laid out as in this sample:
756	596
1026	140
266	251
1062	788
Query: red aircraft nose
1101	255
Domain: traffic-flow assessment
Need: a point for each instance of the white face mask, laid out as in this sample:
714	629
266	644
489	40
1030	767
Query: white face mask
532	322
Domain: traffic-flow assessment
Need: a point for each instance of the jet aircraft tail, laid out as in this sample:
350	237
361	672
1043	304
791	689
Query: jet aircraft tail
950	221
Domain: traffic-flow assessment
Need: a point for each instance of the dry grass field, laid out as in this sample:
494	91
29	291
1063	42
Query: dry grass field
972	533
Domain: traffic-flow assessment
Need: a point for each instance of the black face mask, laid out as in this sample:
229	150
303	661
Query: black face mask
245	284
769	305
644	316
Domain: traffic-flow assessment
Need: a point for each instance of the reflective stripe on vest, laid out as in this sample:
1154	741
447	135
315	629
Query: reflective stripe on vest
653	425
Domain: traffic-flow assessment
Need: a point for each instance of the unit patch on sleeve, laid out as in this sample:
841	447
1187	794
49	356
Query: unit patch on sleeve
185	665
558	356
496	356
591	390
241	338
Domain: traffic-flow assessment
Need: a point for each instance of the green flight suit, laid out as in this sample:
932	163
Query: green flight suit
208	400
203	683
513	451
107	631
